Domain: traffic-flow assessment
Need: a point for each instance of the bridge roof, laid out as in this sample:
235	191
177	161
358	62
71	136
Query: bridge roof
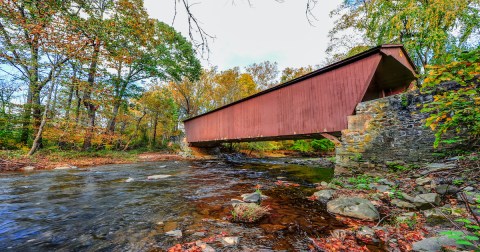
322	70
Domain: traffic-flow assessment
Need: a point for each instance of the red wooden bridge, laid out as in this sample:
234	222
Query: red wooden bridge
313	105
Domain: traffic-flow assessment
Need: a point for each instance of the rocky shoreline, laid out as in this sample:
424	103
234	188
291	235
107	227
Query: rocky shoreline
411	210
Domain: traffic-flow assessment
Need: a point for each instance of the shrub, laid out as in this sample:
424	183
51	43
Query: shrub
323	145
456	111
302	146
249	212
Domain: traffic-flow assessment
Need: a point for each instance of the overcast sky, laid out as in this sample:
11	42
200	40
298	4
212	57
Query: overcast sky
250	34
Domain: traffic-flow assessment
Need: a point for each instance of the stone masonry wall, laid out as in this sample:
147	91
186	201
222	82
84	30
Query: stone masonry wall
389	129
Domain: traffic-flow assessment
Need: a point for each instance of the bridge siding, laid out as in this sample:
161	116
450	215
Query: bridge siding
288	110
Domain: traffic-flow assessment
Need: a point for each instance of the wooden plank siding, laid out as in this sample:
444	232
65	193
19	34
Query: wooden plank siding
307	106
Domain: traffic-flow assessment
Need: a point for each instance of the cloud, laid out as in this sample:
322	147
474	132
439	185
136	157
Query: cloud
266	31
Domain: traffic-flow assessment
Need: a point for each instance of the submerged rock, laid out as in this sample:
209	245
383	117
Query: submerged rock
158	176
354	207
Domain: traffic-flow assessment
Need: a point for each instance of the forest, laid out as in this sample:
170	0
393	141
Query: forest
103	75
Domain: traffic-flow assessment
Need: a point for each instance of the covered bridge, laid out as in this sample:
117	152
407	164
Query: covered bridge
313	105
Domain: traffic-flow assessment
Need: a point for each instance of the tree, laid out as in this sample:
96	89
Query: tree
455	111
139	54
162	109
231	85
429	30
291	73
194	97
265	74
36	42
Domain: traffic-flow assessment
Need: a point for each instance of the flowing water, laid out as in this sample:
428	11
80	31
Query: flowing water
95	209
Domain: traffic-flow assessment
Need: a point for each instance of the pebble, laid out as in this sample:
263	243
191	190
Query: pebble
158	176
175	233
200	234
65	167
230	241
204	246
28	168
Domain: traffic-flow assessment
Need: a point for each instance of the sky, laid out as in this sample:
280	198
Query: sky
246	34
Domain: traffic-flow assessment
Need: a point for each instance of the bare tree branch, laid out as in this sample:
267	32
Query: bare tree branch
200	38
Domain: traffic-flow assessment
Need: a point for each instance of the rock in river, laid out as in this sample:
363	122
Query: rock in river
230	241
175	233
324	195
158	176
252	197
354	207
28	168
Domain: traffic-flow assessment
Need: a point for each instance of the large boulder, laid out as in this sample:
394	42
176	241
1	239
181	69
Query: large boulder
354	207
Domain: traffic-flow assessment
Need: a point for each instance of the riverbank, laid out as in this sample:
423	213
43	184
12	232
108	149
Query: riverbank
431	207
45	160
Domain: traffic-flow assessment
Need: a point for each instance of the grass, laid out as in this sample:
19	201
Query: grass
249	213
363	181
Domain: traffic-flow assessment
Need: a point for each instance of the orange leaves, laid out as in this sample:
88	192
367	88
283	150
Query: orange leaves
286	184
345	243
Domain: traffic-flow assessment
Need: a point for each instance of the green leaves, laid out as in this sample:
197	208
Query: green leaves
454	111
429	30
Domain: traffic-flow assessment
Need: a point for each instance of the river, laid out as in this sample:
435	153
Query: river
96	209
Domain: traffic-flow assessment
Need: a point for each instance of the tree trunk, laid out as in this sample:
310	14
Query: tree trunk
112	122
27	113
87	96
37	141
54	104
79	103
154	133
69	103
136	130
